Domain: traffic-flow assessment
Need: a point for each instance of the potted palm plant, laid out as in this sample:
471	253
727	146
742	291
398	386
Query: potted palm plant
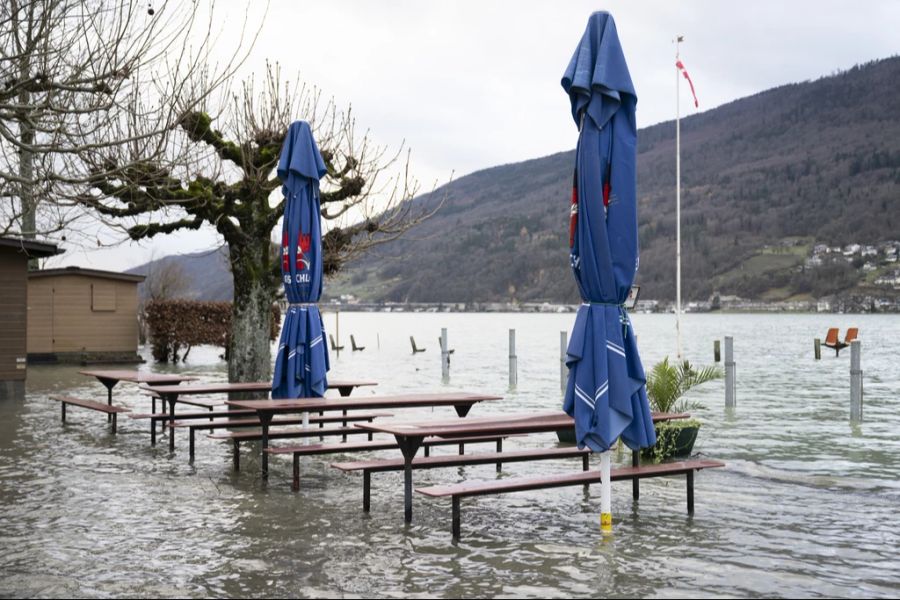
666	386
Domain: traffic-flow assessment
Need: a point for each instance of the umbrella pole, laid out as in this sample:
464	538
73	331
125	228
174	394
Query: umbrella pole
605	494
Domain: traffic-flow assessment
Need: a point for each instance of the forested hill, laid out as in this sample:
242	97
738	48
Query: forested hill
765	179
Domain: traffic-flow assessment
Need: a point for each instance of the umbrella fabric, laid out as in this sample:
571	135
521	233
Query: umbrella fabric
606	392
301	362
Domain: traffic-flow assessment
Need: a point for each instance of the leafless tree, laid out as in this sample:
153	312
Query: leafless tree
75	76
225	178
166	280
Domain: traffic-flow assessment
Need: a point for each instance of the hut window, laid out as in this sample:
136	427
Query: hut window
103	297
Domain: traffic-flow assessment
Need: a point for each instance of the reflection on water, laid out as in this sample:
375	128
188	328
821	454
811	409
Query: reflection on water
806	506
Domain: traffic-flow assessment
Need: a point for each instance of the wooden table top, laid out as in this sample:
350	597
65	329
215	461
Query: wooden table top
137	376
400	401
499	425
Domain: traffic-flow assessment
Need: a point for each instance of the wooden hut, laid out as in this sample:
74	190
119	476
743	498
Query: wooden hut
82	316
14	256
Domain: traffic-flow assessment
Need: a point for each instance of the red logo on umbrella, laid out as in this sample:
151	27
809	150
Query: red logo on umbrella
303	243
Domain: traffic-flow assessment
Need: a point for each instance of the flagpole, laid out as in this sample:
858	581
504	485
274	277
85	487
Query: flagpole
678	40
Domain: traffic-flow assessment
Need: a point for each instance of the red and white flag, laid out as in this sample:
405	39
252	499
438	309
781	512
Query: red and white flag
684	72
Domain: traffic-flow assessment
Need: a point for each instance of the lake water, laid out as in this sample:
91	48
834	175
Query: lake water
807	506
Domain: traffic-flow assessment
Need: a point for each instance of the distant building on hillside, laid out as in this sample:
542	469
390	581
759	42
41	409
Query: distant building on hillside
82	316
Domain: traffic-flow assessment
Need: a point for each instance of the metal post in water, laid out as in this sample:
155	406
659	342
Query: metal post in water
817	346
337	331
730	395
717	351
856	387
563	346
513	374
445	355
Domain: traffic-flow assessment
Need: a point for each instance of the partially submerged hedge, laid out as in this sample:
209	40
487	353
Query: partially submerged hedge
180	324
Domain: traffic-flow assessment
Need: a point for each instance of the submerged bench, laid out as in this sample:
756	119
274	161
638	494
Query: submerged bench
319	449
435	462
521	484
163	417
89	404
253	421
237	437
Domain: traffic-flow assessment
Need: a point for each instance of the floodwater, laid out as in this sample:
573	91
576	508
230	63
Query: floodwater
807	506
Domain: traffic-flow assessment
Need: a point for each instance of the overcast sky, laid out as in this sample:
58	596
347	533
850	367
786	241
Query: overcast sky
476	83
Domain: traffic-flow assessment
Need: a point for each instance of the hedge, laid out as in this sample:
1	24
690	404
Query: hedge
177	324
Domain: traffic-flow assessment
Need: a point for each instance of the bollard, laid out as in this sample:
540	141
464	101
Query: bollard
717	354
445	355
856	387
337	331
513	375
817	346
563	371
730	387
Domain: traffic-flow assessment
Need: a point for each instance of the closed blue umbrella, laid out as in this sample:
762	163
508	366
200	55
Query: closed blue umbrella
606	392
301	362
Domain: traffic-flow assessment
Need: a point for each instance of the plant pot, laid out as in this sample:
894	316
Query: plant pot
673	440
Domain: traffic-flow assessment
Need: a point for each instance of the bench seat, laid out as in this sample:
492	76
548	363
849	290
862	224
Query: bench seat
103	407
435	462
484	488
319	449
253	421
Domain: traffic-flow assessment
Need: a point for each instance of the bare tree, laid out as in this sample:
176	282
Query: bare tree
165	280
226	179
75	75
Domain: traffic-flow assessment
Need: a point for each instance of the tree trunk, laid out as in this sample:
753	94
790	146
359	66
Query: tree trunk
249	352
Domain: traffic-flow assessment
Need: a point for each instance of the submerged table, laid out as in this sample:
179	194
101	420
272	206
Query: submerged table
266	409
110	378
410	436
171	394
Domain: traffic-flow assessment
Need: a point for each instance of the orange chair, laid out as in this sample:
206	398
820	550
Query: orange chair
832	341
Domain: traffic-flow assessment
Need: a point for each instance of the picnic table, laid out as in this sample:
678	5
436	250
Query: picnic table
267	409
172	394
410	436
111	378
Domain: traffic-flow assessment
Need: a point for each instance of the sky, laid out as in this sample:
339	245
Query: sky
472	84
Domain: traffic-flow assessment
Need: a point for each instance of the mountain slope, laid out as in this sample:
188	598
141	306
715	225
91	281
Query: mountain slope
763	179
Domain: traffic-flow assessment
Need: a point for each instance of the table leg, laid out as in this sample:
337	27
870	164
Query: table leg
265	419
109	387
345	390
409	445
171	400
152	431
463	409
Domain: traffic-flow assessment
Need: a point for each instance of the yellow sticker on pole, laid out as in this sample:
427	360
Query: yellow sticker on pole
606	522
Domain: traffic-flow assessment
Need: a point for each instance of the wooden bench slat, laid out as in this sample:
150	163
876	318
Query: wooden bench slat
314	449
245	436
521	484
193	415
453	460
254	421
91	404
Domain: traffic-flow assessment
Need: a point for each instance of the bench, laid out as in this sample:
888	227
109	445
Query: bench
163	417
89	404
521	484
319	449
254	422
435	462
237	437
